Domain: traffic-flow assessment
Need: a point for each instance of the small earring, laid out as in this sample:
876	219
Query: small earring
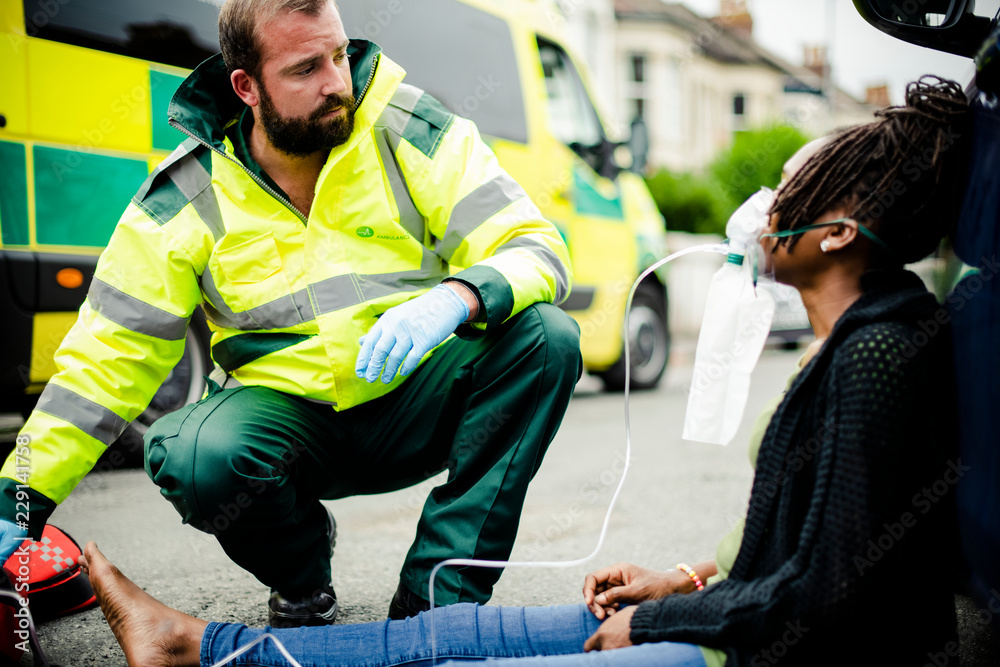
824	246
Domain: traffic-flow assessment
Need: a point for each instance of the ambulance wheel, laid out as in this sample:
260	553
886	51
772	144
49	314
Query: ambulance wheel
649	341
184	384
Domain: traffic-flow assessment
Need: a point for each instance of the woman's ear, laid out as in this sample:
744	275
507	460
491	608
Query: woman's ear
839	236
245	87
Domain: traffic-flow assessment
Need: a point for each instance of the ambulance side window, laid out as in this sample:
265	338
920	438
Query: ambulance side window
178	32
473	71
571	115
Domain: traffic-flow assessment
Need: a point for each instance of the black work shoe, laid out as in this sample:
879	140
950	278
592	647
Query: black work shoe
406	603
319	608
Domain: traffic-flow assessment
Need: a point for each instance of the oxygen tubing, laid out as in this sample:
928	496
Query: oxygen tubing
719	248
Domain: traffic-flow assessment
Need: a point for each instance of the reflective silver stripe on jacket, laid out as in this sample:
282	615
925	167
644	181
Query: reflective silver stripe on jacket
406	97
195	183
183	149
546	254
431	263
134	314
320	298
398	112
285	311
476	208
347	290
409	218
353	289
92	418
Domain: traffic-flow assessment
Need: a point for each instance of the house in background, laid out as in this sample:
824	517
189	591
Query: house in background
695	80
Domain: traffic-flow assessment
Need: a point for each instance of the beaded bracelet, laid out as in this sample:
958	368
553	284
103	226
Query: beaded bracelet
684	567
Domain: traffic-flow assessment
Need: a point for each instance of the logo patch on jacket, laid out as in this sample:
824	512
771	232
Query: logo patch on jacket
365	232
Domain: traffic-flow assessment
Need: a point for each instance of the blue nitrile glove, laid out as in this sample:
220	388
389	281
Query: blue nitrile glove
10	539
409	330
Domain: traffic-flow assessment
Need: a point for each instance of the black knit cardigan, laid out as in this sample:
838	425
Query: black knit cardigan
848	552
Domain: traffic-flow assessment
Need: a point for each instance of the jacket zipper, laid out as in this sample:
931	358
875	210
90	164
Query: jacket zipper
371	75
267	188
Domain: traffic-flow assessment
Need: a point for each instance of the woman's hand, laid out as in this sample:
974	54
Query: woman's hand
613	633
623	583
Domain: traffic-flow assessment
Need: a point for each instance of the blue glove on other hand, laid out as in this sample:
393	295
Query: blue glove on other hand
409	330
10	539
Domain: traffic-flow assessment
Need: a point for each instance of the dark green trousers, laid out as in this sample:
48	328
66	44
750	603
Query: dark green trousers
250	464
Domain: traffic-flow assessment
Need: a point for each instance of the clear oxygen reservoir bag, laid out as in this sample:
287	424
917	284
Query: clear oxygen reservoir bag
733	331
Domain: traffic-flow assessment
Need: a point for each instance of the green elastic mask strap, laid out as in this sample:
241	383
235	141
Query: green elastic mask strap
737	259
802	230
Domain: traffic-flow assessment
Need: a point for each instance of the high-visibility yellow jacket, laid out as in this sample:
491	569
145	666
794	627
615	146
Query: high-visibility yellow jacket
413	197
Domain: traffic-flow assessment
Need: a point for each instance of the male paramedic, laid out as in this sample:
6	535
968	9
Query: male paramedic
337	226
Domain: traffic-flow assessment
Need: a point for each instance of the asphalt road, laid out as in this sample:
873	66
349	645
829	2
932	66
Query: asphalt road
679	498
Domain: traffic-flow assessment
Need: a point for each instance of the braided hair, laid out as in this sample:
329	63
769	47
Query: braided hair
901	175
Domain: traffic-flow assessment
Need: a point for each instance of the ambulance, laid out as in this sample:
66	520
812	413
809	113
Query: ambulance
86	84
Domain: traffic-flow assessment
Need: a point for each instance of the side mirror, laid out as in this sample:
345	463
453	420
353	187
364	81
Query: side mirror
943	25
638	144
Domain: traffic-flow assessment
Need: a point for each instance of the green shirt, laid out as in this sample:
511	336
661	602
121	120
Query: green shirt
729	547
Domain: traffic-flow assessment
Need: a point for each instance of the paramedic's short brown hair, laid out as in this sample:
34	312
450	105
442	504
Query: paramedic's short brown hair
238	24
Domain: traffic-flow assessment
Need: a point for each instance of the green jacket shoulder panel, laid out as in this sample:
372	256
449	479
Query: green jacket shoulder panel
176	182
427	126
419	118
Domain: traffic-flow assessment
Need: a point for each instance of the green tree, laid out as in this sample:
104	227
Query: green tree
688	203
755	158
702	204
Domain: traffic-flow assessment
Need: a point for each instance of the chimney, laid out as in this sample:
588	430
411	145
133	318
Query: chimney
877	96
814	59
734	15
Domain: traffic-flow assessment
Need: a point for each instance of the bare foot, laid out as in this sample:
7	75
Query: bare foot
150	633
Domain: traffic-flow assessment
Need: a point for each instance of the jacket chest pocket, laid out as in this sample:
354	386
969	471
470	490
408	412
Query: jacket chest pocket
250	277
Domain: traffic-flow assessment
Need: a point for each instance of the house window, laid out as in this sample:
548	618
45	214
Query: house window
639	68
638	108
637	89
739	111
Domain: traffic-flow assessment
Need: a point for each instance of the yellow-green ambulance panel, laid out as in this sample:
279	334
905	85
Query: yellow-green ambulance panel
88	98
14	90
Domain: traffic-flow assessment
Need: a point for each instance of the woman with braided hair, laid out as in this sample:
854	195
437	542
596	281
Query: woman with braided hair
847	549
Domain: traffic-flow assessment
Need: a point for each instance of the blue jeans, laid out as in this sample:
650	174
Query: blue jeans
465	632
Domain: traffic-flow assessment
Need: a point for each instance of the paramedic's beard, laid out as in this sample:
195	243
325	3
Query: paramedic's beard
304	136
